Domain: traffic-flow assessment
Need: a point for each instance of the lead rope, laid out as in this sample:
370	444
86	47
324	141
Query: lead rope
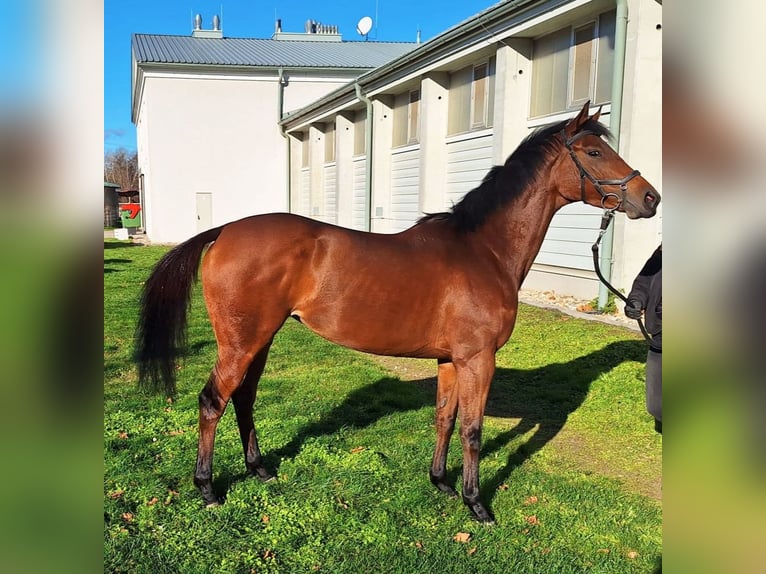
606	219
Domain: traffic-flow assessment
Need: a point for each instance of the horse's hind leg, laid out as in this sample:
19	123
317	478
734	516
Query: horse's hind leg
227	375
446	410
243	399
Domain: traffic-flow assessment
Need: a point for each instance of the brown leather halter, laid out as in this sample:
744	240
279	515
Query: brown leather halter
597	183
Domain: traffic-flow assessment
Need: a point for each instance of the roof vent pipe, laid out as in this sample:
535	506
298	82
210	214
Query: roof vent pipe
198	22
216	22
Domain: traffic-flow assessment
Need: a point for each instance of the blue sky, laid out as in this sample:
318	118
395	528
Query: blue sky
397	20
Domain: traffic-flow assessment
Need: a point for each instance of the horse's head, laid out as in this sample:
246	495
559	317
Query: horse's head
602	177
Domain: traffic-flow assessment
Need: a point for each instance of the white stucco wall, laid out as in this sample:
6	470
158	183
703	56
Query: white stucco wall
302	89
206	135
214	134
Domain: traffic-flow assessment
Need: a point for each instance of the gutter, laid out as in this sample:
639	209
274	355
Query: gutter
368	162
615	123
280	111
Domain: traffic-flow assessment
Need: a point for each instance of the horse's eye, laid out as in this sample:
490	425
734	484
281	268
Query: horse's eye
594	153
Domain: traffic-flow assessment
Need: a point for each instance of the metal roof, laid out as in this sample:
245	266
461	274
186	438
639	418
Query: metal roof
155	48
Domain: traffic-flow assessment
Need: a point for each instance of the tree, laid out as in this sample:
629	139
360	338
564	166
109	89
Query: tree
121	167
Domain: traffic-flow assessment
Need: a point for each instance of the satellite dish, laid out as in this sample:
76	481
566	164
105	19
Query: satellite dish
364	26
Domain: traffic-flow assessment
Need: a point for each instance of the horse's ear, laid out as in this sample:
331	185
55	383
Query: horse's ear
597	115
576	123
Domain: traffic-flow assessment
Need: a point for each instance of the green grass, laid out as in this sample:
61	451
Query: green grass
568	457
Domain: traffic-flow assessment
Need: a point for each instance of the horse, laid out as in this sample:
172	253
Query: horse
445	289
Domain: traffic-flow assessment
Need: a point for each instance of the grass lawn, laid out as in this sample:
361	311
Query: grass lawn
570	465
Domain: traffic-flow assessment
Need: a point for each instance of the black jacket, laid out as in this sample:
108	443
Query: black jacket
647	291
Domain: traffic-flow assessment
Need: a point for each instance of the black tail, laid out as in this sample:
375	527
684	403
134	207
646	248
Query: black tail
165	300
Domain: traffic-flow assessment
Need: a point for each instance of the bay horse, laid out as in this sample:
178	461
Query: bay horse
445	289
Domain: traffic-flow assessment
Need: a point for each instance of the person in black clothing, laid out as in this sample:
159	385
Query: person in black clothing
645	298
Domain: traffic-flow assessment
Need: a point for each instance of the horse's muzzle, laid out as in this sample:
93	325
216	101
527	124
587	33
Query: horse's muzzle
652	200
646	207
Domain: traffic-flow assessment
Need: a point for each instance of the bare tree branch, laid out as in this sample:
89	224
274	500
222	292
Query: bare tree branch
121	167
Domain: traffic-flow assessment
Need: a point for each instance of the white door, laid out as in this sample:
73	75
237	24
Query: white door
204	211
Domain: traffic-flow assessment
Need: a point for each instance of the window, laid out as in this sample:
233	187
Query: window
360	143
329	142
413	116
407	118
605	59
471	97
583	59
304	149
573	65
479	91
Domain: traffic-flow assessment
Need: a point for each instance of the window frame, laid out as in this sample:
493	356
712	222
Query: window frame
593	21
465	119
360	134
305	150
413	138
329	142
573	103
474	123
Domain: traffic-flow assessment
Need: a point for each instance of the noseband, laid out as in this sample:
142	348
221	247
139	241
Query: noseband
597	183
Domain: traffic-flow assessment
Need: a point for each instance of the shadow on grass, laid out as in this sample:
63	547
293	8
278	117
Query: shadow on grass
114	260
543	397
117	244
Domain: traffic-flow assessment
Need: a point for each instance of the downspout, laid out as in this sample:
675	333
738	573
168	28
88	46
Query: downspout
368	163
280	113
615	123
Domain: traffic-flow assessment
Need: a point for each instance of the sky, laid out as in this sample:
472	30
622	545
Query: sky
393	21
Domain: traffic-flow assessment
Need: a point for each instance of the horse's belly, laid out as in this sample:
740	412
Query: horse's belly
379	333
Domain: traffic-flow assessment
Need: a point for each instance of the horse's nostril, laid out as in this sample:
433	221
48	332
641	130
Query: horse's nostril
650	197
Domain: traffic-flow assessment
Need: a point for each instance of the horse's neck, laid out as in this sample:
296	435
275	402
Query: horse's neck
516	233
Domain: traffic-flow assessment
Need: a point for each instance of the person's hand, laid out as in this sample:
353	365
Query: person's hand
633	309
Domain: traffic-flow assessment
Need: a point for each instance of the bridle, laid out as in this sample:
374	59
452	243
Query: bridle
606	218
597	183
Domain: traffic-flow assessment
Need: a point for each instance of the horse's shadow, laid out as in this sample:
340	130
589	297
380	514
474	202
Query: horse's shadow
543	397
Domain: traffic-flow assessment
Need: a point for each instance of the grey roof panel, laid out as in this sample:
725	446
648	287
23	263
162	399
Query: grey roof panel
155	48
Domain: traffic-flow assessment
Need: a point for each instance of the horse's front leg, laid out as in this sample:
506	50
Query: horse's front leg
474	377
446	411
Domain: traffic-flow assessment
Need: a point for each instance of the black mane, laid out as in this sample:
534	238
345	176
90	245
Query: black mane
503	183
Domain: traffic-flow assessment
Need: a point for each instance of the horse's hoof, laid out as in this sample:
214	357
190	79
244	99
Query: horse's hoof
213	504
262	474
481	514
448	490
443	486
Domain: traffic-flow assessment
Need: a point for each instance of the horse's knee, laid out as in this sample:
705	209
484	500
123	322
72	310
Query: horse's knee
471	436
445	421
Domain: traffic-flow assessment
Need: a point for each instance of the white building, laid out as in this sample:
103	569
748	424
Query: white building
414	134
207	111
